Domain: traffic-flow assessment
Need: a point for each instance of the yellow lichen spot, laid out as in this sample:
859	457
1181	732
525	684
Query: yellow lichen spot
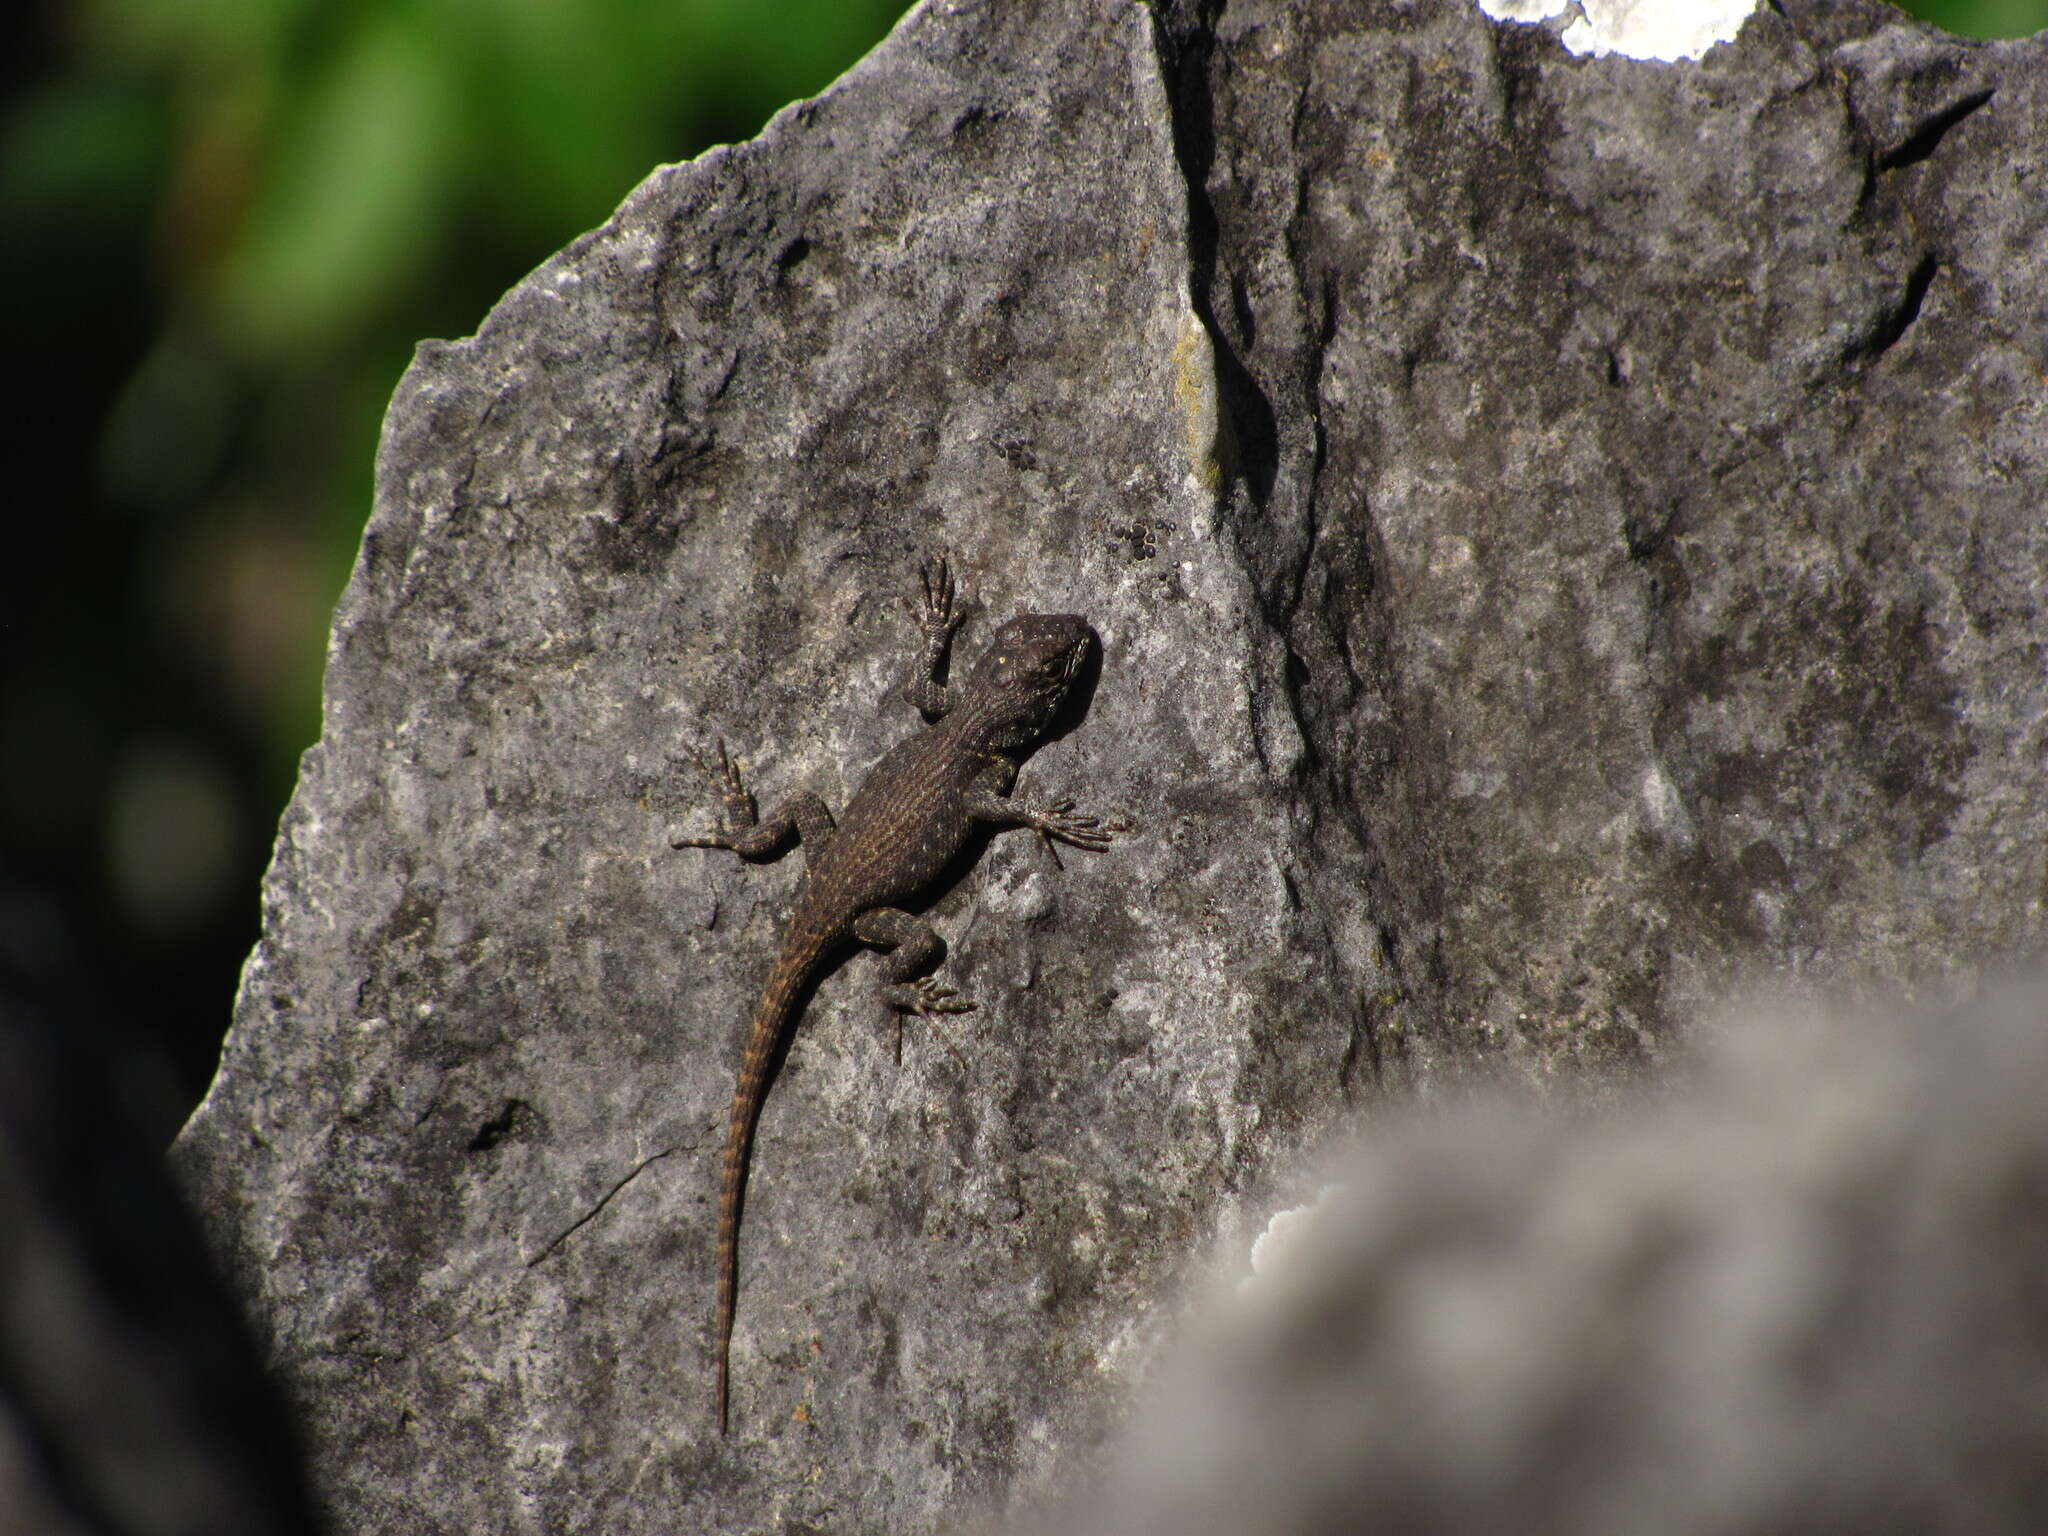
801	1414
1194	391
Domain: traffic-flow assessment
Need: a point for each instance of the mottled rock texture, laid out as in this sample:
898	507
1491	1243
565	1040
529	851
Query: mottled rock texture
1563	531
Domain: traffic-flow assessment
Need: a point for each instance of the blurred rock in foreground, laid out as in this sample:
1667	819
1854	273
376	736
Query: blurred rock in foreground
1807	1291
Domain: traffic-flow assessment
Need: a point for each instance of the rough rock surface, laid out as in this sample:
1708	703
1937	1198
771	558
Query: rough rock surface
1562	529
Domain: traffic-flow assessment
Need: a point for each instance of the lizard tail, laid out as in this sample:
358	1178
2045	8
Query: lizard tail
772	1016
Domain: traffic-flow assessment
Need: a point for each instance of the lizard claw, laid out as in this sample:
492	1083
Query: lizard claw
942	612
928	998
1082	831
732	794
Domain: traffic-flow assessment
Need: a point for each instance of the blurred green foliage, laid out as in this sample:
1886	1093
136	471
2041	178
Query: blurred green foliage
323	184
1984	18
223	224
330	161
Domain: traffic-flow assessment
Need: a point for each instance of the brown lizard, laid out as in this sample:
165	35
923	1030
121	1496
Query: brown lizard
908	820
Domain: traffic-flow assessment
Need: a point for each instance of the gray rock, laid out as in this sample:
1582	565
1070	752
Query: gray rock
1561	529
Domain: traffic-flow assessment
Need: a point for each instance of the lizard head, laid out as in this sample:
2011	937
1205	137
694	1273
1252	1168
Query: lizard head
1026	671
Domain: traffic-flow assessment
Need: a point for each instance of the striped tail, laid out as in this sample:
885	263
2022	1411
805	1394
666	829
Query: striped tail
773	1014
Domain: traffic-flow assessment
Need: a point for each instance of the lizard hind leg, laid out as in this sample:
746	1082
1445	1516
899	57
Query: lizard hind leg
749	835
913	948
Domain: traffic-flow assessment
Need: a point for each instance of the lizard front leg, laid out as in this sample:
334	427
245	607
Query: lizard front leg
985	803
749	836
936	621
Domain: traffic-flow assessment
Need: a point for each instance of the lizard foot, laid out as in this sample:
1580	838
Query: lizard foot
941	613
926	998
1082	831
929	1000
732	795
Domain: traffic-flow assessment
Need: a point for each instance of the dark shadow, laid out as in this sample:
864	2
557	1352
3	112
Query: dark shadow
1893	324
140	1387
1926	138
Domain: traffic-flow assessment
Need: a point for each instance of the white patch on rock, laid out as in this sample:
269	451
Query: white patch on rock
1524	10
1663	806
1638	29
